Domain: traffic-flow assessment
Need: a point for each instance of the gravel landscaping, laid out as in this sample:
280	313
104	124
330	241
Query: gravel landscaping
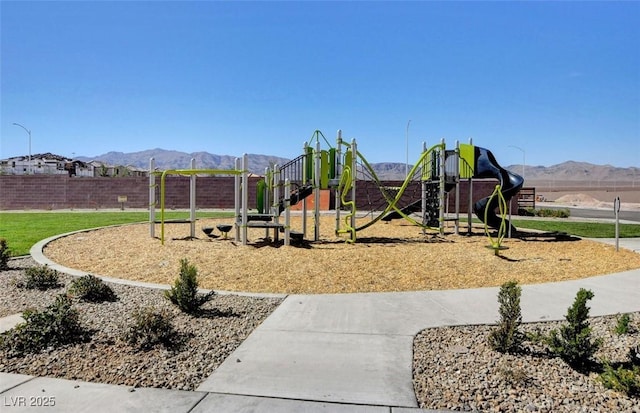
454	368
208	340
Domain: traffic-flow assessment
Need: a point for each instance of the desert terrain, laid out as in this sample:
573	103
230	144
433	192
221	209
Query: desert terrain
571	193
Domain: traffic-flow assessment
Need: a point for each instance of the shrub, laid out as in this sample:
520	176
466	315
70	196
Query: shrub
57	325
184	292
553	213
536	336
622	379
40	277
91	288
573	342
623	324
5	254
150	328
526	212
545	212
506	338
514	376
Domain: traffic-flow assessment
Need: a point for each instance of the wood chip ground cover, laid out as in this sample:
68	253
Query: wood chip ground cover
394	256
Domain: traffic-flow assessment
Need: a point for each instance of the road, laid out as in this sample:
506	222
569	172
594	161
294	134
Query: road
633	216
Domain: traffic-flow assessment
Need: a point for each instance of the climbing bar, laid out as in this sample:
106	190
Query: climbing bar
344	186
496	243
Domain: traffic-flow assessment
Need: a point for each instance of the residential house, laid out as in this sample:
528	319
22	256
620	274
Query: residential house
52	164
38	164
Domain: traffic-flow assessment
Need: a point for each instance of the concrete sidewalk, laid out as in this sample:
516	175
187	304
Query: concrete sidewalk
357	348
632	244
343	353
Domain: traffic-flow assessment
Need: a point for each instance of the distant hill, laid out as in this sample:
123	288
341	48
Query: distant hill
166	159
577	171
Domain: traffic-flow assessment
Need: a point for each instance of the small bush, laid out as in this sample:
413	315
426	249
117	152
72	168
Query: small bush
573	341
91	288
553	213
514	376
622	379
184	292
150	328
506	338
5	254
526	212
40	277
57	325
536	336
545	212
623	324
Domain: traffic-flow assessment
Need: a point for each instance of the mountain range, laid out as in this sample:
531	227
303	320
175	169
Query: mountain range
167	159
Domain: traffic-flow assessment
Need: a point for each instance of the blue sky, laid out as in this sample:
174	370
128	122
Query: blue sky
557	80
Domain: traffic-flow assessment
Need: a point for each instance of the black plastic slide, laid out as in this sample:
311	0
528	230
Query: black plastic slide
487	167
296	196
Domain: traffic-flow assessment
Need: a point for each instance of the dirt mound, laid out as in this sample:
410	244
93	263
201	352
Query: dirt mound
578	199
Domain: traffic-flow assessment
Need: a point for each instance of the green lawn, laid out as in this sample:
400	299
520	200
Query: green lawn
581	229
23	229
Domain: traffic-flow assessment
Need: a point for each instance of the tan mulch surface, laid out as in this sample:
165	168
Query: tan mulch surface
394	256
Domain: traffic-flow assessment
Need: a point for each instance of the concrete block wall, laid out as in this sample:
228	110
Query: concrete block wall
62	192
367	194
48	192
211	192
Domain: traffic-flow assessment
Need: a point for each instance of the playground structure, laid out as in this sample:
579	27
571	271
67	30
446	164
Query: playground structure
192	173
437	173
243	219
425	190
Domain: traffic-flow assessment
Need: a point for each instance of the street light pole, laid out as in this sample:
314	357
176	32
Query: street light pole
406	165
30	170
523	157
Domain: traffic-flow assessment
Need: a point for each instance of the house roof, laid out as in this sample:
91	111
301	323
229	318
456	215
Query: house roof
47	156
